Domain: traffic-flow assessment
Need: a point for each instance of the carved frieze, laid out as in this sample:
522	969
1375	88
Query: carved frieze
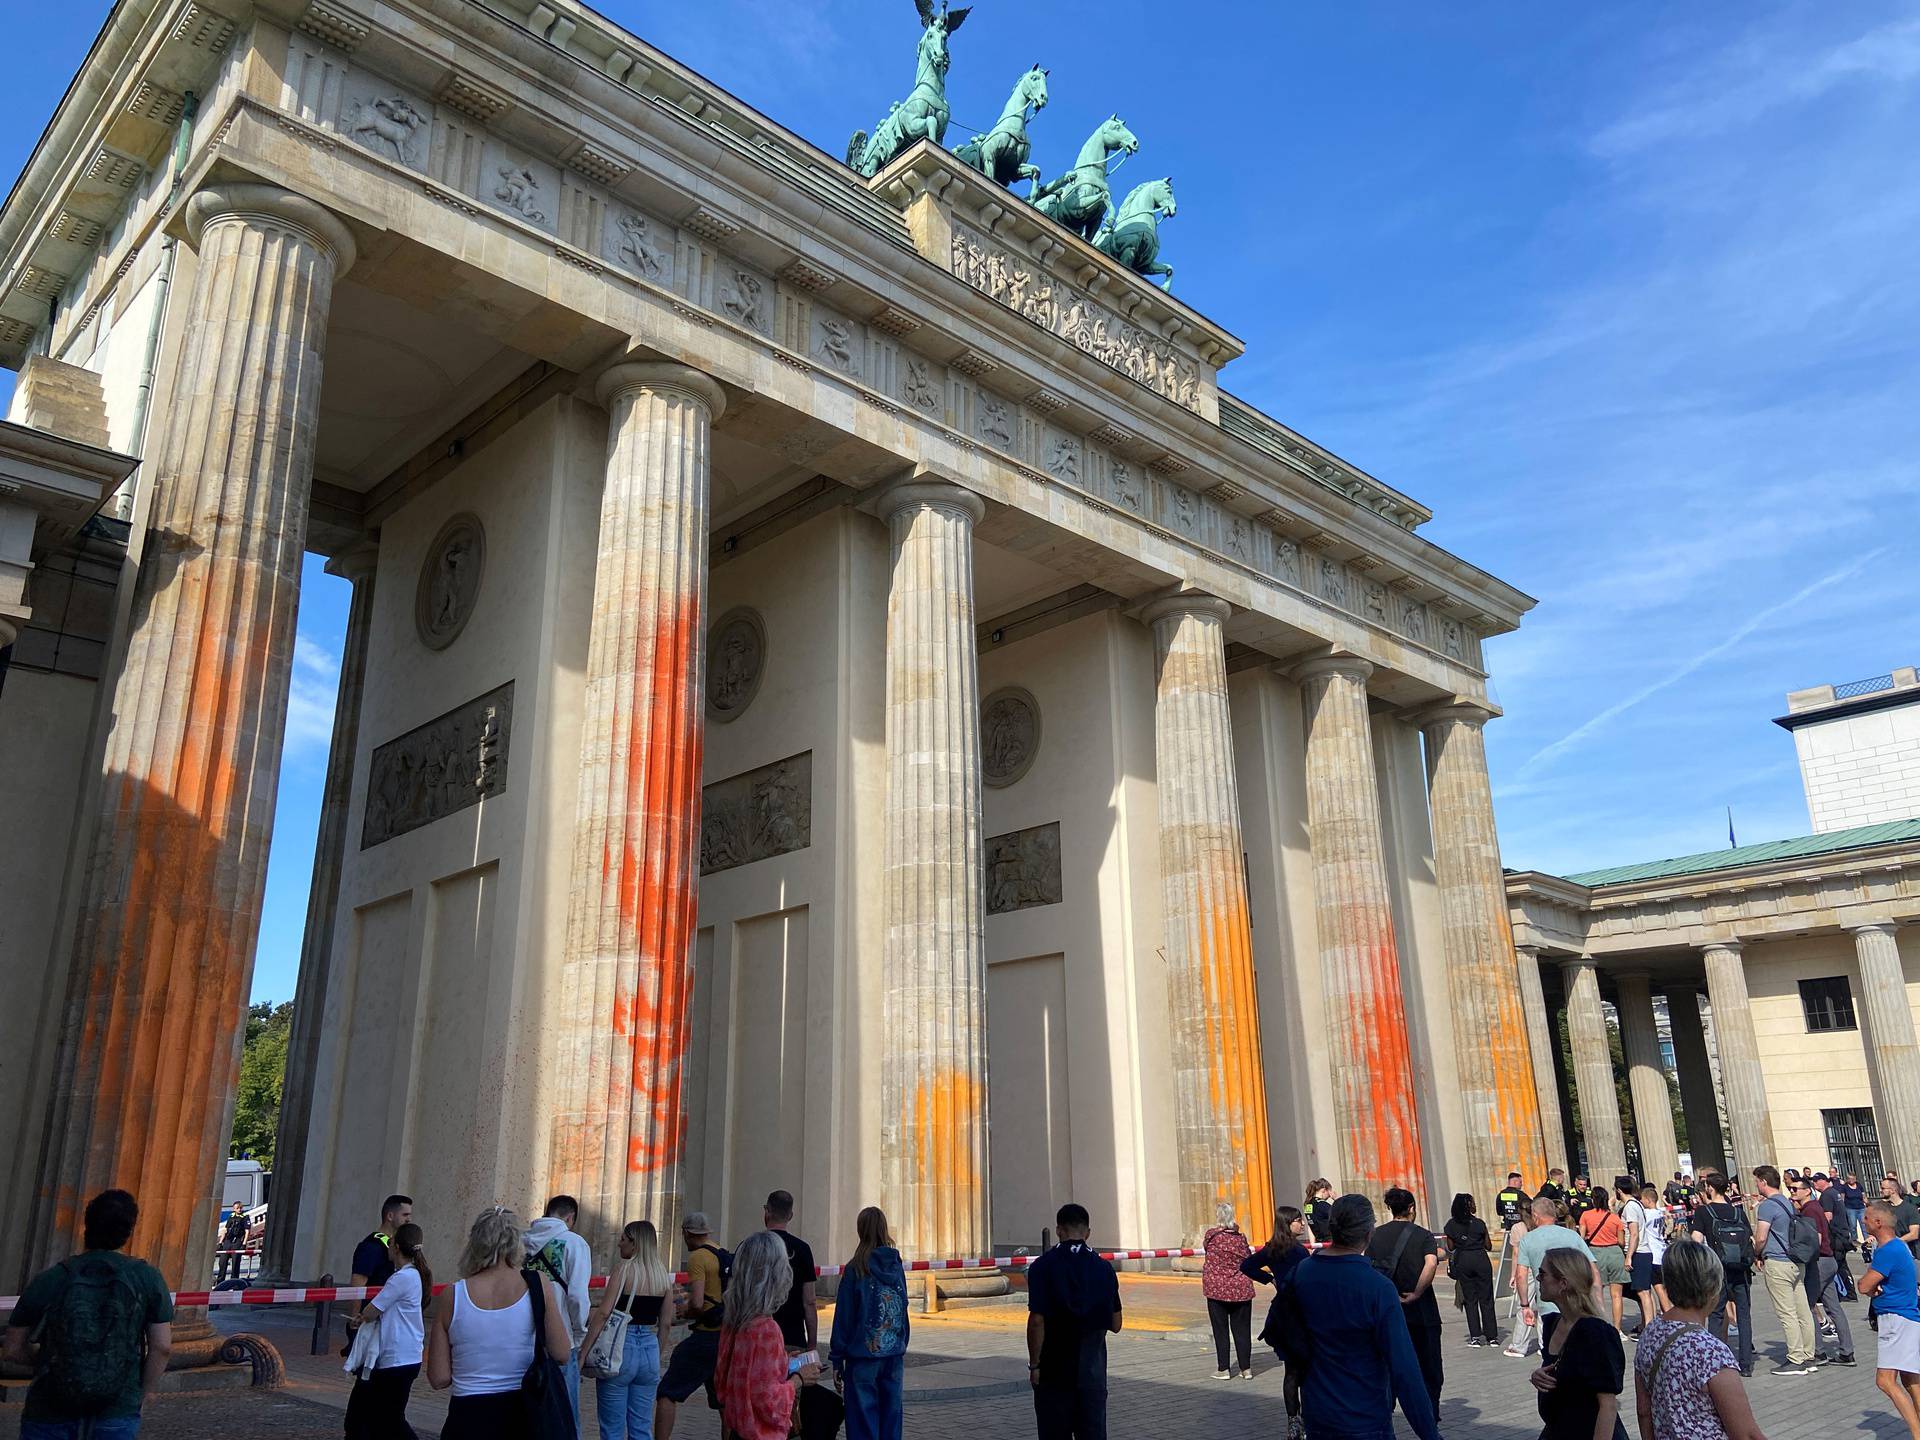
438	769
1009	735
743	297
1063	458
1076	318
639	246
736	659
389	125
449	581
1023	869
1129	487
835	343
918	387
757	814
993	421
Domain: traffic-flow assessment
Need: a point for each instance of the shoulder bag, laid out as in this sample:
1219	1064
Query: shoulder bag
609	1352
543	1389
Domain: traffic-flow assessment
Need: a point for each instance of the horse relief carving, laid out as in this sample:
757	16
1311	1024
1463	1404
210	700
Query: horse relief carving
836	344
757	815
743	296
1181	502
387	122
995	424
519	191
1063	459
639	248
1127	490
920	392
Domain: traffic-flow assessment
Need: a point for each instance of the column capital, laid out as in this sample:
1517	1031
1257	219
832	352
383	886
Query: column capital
1731	946
917	492
1458	711
1339	662
1186	602
1529	952
1575	962
357	562
1634	977
271	205
1874	927
662	377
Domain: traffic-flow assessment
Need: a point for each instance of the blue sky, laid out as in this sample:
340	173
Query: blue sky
1626	294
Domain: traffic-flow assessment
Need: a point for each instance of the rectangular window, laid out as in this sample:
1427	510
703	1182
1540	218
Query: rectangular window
1828	1004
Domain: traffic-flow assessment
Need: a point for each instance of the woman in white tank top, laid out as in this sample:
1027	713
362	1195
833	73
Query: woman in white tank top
481	1339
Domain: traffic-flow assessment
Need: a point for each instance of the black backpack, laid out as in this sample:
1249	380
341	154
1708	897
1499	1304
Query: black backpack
1732	1238
95	1334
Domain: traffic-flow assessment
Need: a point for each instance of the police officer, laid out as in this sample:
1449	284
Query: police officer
1512	1203
1555	1188
1580	1199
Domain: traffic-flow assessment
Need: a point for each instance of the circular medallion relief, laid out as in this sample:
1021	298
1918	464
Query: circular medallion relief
449	581
736	658
1009	735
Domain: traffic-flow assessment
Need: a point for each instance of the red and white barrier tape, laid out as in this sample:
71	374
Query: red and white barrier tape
313	1294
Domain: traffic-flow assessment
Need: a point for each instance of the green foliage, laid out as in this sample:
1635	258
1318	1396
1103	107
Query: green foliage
1623	1090
263	1066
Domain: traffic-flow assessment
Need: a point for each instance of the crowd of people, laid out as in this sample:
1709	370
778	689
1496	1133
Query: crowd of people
1353	1316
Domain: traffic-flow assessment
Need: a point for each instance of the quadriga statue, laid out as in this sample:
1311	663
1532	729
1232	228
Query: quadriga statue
923	115
1079	198
1134	236
1001	153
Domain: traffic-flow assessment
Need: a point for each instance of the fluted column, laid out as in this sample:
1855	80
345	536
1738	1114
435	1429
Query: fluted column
169	910
1646	1077
1600	1126
1368	1046
627	984
1698	1099
933	1144
1741	1073
356	565
1893	1053
1502	1105
1540	1043
1220	1100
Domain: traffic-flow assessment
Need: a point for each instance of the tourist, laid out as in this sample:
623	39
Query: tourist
1686	1381
638	1289
799	1313
1639	1222
1906	1214
1407	1255
1274	1264
1583	1366
1512	1202
1546	1236
1318	1210
1889	1282
1820	1277
1554	1189
758	1383
1784	1275
1073	1303
83	1384
1855	1196
1362	1354
377	1407
1606	1236
564	1258
1470	1267
372	1257
1674	1190
1660	1230
1723	1228
870	1331
233	1240
1840	1232
481	1333
1229	1293
691	1366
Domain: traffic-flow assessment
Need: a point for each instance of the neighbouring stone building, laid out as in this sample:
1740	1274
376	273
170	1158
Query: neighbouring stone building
837	695
1783	969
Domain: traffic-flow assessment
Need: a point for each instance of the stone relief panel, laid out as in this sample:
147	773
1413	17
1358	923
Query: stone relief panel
1009	735
1453	639
993	419
1333	582
744	297
1060	453
920	385
1076	318
1413	619
836	342
449	581
515	182
1179	508
1023	869
736	659
639	244
1286	560
1374	601
394	125
1127	487
438	769
757	814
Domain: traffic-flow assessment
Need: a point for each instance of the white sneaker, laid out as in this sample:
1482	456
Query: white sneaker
1219	1374
1246	1374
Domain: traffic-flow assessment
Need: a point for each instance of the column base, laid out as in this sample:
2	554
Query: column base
943	1288
200	1362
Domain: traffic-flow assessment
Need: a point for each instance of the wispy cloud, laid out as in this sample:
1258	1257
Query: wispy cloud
316	679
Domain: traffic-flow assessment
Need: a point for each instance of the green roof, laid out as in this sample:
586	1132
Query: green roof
1890	833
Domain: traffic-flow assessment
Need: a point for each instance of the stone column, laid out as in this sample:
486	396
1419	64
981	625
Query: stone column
1540	1043
1647	1078
149	1047
1698	1098
1893	1053
1741	1073
1600	1125
933	1144
1368	1046
356	565
627	981
1220	1098
1501	1101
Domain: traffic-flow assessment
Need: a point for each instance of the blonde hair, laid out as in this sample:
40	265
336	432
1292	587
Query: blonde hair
650	1275
495	1239
762	1279
1574	1274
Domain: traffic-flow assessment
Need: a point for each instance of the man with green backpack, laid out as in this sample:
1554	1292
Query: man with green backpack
103	1324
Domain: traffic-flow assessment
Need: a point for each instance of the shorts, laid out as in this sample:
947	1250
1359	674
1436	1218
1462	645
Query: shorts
691	1365
1899	1344
1611	1261
1643	1272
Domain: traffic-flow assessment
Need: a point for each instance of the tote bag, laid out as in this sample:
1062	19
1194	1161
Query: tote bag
609	1350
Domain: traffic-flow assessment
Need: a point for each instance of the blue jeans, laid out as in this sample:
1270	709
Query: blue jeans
873	1395
625	1405
124	1427
572	1372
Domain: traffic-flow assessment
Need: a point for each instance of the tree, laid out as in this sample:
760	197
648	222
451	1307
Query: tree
263	1066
